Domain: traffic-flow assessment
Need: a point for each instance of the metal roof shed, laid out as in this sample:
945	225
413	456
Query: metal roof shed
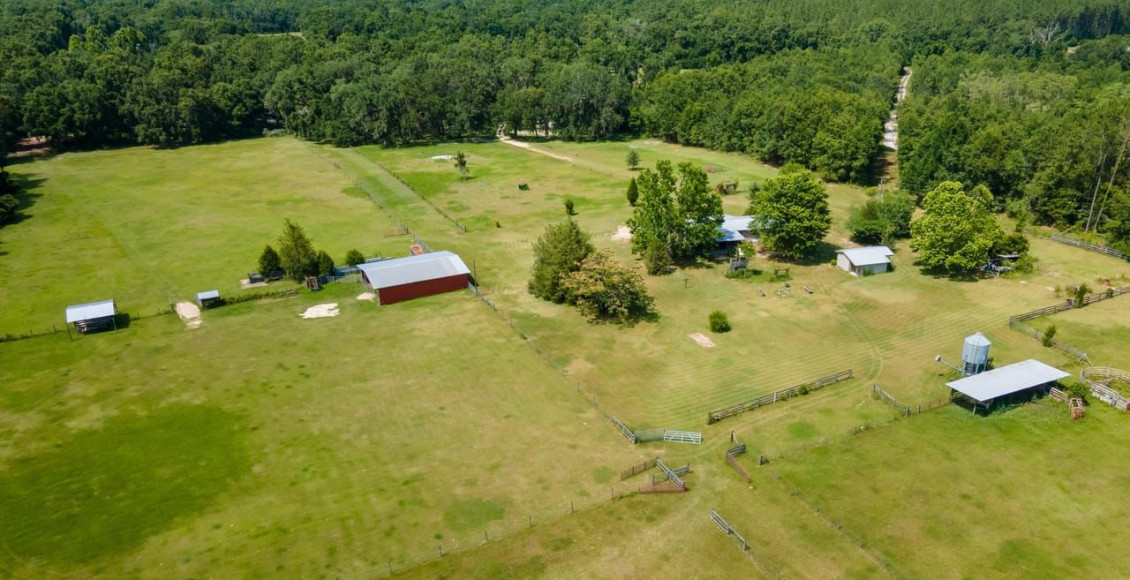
415	276
872	259
208	298
92	315
983	388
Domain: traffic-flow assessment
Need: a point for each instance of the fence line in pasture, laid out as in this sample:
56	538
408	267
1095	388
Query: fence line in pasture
763	567
1089	246
1017	321
776	396
908	410
855	539
1095	377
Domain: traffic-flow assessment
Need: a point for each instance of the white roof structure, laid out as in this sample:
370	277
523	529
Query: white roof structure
732	226
868	256
401	271
90	311
1006	380
210	294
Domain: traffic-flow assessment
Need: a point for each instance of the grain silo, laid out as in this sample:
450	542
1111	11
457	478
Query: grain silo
975	354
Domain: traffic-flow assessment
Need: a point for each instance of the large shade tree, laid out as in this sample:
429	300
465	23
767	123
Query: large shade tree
559	251
675	215
792	210
958	231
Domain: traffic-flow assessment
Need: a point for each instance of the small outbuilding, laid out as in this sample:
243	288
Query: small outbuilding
93	316
208	299
403	279
1024	377
869	260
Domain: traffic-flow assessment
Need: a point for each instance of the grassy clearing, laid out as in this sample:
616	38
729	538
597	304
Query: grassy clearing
1025	493
322	448
145	226
263	444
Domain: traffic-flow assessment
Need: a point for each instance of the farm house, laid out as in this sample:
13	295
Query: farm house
860	261
403	279
93	316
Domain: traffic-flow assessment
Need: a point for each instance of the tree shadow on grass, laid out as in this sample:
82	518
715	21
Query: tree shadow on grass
943	274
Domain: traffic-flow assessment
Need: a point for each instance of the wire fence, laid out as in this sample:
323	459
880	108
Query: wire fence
424	552
855	539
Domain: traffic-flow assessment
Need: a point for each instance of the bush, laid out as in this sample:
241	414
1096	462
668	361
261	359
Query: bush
719	322
656	259
1025	264
1049	336
354	257
269	261
1081	292
569	207
325	264
1077	389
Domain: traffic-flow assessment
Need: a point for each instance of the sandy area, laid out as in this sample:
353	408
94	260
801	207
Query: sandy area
189	313
622	234
442	157
367	296
321	311
702	340
524	145
763	314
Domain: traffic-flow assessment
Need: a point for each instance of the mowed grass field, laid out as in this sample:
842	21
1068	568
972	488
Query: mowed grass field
262	444
144	226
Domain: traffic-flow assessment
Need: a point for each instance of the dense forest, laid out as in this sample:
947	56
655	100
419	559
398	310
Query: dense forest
1028	97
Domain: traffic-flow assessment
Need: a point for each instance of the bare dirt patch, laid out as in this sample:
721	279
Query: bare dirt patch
189	313
370	296
702	340
442	157
622	234
322	311
524	145
763	314
245	283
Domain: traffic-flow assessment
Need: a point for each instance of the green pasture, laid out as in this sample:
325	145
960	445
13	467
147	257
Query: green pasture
145	226
1026	493
263	444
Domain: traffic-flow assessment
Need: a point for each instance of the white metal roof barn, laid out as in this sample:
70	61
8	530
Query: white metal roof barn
983	388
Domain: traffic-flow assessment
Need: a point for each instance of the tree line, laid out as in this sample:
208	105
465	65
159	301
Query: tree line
807	81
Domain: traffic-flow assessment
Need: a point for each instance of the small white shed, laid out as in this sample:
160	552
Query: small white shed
860	261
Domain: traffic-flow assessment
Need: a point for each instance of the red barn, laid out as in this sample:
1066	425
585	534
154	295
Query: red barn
403	279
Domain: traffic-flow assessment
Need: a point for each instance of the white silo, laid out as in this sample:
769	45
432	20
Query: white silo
975	354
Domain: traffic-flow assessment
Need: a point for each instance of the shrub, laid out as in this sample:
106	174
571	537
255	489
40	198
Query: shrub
569	207
354	257
719	322
1077	389
1049	336
656	259
269	261
1081	292
325	263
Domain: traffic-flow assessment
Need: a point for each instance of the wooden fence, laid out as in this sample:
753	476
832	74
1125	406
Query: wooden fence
629	472
1017	321
908	410
732	458
1099	377
1088	246
663	487
803	389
